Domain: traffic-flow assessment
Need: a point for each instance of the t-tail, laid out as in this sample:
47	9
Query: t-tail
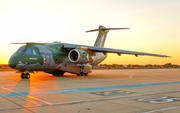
100	41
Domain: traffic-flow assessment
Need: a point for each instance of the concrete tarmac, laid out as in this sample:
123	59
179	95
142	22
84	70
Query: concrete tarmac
103	91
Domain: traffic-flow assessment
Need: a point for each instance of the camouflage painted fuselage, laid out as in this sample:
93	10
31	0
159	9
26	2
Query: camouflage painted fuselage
50	58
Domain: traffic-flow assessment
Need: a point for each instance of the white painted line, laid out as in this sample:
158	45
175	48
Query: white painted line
101	99
7	89
31	101
22	98
31	97
162	109
156	76
39	100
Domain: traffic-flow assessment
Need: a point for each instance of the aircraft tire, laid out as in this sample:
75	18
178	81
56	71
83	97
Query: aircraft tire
78	74
86	74
82	74
23	76
57	75
54	74
27	76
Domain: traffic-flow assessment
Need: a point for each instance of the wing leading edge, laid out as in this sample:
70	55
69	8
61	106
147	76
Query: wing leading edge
109	50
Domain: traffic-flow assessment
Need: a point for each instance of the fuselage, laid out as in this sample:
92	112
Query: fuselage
50	58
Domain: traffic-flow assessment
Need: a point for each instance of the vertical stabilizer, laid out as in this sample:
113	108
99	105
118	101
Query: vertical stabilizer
101	38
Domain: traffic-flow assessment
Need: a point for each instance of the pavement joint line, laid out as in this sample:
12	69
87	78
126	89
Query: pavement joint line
5	110
31	97
173	107
18	104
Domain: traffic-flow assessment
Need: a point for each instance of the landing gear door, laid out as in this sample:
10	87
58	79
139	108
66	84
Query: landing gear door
47	61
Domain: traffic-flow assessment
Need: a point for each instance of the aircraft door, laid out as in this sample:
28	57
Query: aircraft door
47	61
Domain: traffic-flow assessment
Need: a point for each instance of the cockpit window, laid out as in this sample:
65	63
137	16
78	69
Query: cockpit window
29	51
34	52
21	50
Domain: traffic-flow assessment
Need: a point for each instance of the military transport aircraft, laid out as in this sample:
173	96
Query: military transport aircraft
57	58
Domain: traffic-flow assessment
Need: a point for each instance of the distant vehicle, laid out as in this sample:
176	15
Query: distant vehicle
57	58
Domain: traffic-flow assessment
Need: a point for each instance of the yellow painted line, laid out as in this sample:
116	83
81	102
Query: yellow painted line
34	98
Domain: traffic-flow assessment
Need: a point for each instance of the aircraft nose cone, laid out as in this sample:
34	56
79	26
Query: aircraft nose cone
12	63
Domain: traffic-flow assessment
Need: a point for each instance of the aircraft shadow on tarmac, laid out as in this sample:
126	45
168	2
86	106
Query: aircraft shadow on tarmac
21	86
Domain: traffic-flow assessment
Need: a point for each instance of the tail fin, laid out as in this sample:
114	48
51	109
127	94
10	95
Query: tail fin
102	35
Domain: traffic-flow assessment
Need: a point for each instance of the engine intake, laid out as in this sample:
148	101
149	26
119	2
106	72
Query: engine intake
79	56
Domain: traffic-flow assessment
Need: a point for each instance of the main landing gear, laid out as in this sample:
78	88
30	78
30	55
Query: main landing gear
58	74
82	74
25	76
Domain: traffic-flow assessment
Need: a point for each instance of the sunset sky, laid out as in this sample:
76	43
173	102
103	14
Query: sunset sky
154	26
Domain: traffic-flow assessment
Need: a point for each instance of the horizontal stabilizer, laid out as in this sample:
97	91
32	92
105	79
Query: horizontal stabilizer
107	29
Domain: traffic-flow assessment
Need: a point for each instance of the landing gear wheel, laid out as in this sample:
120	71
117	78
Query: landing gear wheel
78	74
58	74
82	74
23	76
54	74
62	74
86	74
27	75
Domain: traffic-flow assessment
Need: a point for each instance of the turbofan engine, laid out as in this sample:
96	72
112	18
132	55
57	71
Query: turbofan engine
79	56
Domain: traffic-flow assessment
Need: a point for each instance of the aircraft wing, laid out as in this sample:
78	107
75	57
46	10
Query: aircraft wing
109	50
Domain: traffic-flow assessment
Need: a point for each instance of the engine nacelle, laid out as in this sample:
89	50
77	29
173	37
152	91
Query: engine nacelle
79	56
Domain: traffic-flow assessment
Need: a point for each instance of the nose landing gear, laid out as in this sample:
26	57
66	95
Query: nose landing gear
25	76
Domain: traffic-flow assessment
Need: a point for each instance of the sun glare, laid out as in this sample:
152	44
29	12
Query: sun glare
29	25
22	25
